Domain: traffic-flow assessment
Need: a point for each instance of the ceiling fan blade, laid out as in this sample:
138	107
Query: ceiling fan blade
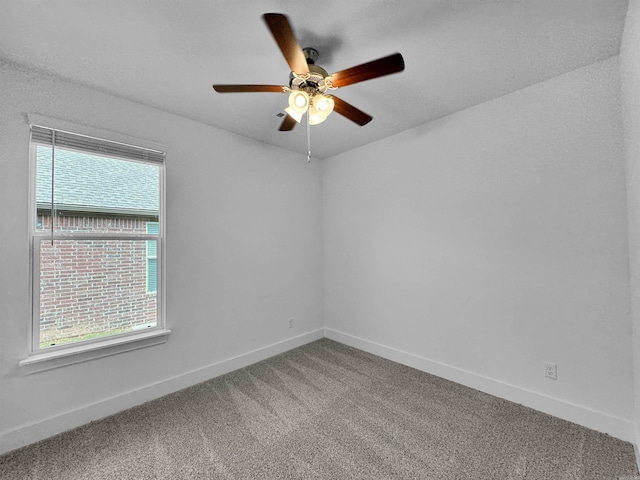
247	88
287	123
366	71
352	113
286	40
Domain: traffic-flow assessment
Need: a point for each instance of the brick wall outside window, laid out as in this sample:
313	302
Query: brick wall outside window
93	286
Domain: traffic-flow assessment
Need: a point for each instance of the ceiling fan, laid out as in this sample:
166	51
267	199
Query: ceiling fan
308	82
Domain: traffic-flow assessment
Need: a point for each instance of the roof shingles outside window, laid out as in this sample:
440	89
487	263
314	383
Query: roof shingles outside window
89	183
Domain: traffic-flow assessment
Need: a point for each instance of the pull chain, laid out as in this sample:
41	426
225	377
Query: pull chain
308	139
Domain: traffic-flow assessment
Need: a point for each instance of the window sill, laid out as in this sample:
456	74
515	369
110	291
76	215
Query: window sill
40	362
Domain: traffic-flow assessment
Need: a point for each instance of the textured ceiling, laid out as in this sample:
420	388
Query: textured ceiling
168	54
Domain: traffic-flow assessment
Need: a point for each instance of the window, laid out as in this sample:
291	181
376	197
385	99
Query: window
96	233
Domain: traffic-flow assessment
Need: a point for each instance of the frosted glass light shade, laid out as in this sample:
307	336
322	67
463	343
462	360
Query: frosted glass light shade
323	104
314	116
299	101
297	116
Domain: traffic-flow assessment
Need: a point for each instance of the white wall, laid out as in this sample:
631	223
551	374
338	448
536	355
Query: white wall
244	254
483	244
630	75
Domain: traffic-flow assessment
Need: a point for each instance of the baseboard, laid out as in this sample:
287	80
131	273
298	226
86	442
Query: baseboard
581	415
36	431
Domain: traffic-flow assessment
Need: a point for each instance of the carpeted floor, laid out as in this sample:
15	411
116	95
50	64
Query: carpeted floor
326	411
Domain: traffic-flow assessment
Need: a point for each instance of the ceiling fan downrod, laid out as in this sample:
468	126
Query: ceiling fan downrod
310	55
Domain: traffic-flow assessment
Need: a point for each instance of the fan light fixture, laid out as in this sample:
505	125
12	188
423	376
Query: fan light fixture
318	106
309	82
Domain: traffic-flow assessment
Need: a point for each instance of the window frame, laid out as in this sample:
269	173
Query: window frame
108	344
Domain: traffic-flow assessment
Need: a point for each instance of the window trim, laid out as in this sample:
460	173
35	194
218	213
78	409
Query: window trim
78	353
111	344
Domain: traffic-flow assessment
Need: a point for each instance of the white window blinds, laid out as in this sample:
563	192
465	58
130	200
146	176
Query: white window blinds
45	135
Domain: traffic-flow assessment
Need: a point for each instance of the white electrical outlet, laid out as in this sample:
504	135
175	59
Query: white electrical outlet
551	370
291	321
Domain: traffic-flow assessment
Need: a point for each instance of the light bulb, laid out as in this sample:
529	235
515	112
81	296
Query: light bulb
299	101
323	104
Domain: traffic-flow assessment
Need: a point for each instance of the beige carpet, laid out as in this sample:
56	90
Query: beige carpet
326	411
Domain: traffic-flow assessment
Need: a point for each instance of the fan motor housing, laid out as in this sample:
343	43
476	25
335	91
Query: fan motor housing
314	81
